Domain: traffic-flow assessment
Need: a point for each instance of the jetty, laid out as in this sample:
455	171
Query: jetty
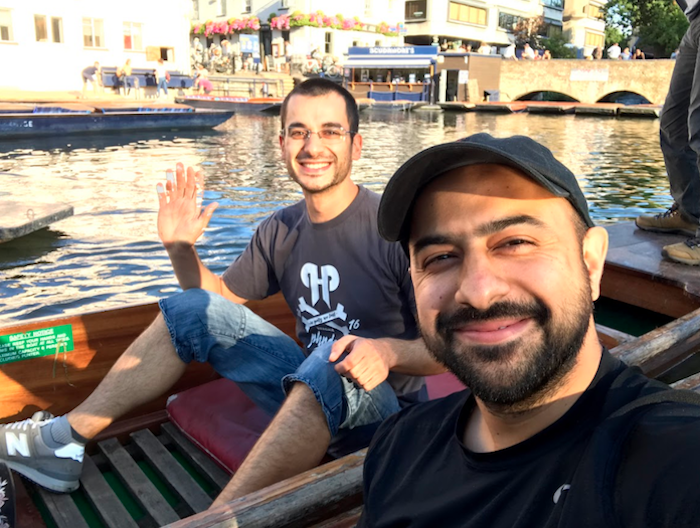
18	219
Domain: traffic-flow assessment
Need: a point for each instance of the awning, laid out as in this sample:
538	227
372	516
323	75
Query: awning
386	63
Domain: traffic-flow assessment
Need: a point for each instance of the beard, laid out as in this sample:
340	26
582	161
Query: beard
517	374
342	170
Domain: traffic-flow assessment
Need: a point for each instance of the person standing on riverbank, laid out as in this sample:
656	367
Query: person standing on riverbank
680	145
161	73
350	290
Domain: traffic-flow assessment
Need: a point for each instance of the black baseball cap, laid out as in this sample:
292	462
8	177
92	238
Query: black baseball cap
519	152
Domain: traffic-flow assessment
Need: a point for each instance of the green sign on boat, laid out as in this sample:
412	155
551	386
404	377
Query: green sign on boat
36	343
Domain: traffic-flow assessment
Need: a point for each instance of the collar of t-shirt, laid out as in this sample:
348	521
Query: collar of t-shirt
567	428
348	212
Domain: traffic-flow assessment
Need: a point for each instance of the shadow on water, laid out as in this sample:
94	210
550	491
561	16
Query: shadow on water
30	249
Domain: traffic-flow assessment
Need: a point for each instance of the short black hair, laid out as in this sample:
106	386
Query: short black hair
318	86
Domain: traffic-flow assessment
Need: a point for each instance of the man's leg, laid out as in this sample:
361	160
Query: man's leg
319	403
680	159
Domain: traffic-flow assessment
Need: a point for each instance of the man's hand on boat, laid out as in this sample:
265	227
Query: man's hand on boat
181	219
367	363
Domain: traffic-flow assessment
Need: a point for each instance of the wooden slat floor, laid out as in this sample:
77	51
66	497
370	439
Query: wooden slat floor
134	465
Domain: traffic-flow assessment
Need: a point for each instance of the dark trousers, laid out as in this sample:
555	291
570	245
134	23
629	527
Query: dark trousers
7	498
680	126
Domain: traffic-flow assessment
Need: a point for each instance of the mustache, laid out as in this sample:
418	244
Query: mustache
536	310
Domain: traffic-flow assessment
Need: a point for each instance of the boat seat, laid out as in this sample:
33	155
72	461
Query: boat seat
223	422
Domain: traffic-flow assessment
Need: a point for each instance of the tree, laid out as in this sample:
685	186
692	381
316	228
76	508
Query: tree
557	46
529	31
659	24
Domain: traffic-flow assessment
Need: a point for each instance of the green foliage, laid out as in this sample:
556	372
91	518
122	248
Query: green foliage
614	34
556	44
659	24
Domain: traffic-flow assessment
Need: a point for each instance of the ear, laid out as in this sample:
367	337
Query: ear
356	147
595	249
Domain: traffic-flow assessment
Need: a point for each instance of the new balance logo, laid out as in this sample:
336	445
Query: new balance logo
17	444
72	450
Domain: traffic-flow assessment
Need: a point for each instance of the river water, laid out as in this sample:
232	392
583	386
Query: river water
108	253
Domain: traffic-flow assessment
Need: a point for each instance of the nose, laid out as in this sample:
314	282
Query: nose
313	145
481	282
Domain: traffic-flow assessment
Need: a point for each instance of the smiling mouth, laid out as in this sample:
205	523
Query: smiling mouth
492	332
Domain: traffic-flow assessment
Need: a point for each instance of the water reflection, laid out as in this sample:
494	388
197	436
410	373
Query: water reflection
108	254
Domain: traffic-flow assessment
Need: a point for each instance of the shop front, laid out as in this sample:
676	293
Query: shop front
391	73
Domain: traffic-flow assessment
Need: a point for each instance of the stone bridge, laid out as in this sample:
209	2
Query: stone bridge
584	80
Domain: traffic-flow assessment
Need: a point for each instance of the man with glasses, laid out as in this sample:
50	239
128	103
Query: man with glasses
350	290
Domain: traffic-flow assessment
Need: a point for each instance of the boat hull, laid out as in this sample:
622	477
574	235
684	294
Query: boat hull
26	125
239	105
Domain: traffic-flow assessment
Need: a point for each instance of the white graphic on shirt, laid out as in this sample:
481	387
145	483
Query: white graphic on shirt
561	489
322	327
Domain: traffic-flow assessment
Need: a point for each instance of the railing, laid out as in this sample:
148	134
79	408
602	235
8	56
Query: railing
247	87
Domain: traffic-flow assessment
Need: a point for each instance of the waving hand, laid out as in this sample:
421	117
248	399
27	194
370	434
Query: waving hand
181	219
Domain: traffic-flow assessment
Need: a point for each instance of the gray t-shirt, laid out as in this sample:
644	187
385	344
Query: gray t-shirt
339	277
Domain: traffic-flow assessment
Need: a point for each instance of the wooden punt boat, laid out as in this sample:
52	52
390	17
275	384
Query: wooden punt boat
59	119
144	448
239	105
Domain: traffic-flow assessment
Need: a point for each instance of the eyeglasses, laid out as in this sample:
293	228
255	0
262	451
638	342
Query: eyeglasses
327	135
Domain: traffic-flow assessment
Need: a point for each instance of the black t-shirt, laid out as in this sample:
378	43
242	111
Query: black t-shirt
419	474
339	277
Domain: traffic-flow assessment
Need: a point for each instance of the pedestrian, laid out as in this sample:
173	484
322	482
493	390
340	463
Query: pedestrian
614	51
92	75
162	75
679	129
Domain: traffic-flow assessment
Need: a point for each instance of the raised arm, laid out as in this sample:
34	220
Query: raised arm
181	221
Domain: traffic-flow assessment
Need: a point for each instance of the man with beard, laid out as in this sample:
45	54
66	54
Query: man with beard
553	431
349	288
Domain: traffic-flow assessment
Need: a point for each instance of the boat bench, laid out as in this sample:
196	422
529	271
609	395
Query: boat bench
146	80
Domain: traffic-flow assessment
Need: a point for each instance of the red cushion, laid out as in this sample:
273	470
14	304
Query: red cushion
223	422
220	419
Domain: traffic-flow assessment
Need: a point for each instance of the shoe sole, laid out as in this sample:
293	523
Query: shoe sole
680	260
686	232
50	483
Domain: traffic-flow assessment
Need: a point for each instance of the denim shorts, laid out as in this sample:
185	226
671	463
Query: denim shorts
265	362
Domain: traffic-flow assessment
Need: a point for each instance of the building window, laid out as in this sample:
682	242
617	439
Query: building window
5	25
416	10
41	29
248	6
468	14
56	30
596	12
328	43
507	21
559	4
132	36
93	33
595	39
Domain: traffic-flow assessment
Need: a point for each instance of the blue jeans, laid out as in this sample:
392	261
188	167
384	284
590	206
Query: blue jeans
680	125
162	83
265	363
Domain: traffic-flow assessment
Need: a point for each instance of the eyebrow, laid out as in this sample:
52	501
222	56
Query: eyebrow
486	229
324	125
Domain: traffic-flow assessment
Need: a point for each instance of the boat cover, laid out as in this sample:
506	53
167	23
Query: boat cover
222	421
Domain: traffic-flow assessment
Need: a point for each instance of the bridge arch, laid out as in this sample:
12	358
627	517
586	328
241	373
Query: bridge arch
546	95
625	97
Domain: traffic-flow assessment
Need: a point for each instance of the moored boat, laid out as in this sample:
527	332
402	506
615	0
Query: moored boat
239	105
146	445
58	119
